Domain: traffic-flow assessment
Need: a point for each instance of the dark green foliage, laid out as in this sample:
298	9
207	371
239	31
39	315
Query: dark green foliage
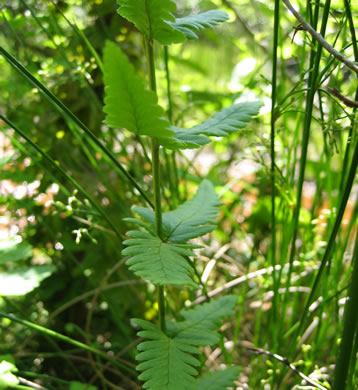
268	206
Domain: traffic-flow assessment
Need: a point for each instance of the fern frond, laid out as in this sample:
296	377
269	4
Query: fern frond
184	140
167	361
127	103
226	121
157	261
201	322
167	364
219	380
188	24
152	18
193	218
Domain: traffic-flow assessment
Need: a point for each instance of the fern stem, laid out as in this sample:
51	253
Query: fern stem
156	186
167	76
150	54
173	179
161	304
156	180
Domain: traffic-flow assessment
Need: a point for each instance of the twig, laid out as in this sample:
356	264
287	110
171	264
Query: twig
93	225
30	384
348	102
318	37
90	293
240	280
284	361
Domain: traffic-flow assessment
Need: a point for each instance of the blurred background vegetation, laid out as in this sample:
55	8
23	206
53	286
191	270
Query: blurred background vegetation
61	264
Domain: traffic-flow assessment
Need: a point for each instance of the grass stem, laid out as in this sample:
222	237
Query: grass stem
350	323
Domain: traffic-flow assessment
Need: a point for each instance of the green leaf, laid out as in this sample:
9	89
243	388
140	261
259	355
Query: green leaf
127	103
157	261
183	139
193	218
226	121
11	250
81	386
199	22
219	380
152	18
22	281
167	363
201	322
7	378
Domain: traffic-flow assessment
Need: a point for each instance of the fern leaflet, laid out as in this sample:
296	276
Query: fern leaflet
158	262
128	103
167	361
193	218
225	121
188	24
167	364
219	380
152	18
184	140
201	322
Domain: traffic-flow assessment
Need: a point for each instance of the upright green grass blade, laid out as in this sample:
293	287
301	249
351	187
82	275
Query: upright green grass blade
273	182
350	328
351	128
330	245
313	77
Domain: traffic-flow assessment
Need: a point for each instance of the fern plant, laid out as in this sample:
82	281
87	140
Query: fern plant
158	250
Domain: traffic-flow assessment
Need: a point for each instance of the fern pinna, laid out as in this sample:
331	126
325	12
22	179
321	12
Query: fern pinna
158	249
